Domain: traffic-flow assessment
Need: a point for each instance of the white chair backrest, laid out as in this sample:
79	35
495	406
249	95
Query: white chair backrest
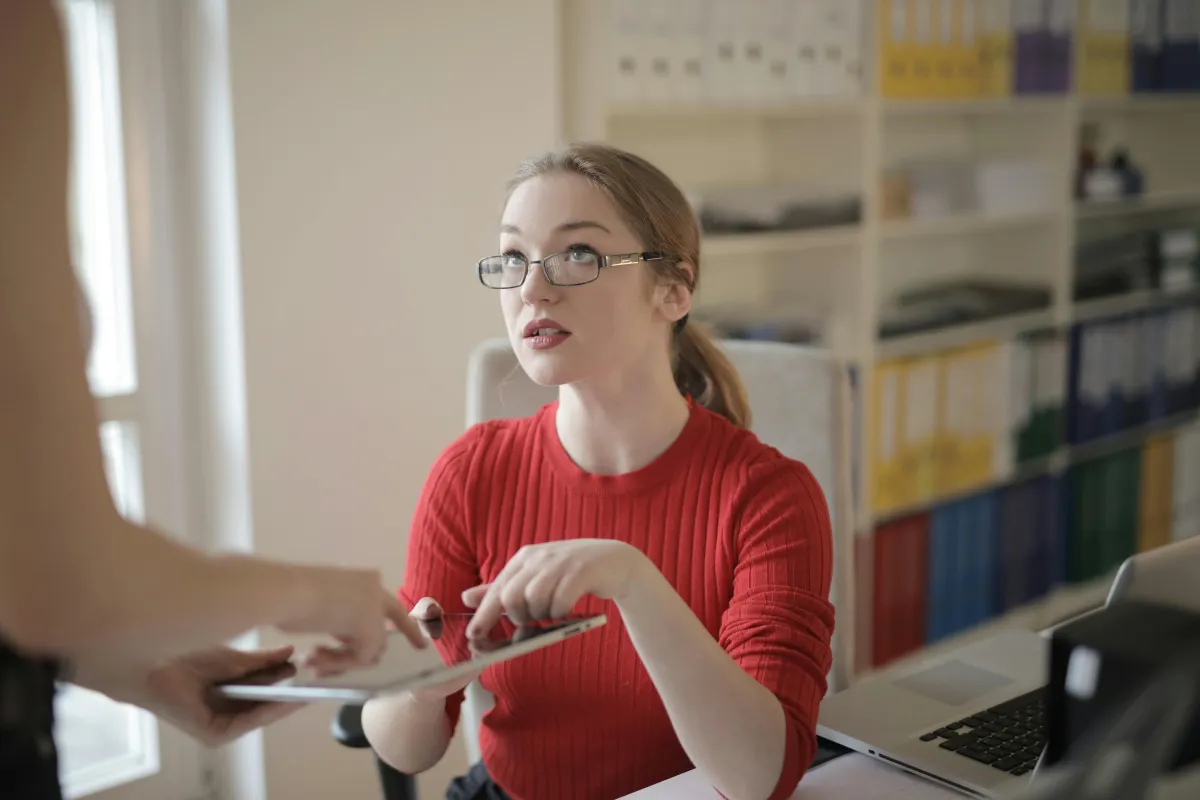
799	403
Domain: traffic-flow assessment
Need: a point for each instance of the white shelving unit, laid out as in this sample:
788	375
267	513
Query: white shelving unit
846	274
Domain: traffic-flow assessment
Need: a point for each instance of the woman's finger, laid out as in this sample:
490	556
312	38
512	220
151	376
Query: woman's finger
540	591
487	613
396	614
514	597
472	597
567	593
327	660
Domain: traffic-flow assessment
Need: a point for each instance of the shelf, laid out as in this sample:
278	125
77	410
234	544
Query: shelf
816	108
952	336
1056	462
963	224
1147	203
1123	440
718	245
1141	102
1102	307
1064	603
983	106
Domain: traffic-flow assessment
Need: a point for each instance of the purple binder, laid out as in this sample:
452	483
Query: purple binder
1030	46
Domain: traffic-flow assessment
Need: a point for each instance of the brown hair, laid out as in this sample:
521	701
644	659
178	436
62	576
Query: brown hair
659	214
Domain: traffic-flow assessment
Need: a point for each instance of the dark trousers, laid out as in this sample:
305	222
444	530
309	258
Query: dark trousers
477	784
28	767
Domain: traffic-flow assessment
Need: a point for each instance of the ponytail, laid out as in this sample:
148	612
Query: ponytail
703	371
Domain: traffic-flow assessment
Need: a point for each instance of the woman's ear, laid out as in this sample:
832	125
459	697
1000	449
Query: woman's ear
677	299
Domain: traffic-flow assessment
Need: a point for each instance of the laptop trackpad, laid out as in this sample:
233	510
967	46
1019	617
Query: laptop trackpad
953	682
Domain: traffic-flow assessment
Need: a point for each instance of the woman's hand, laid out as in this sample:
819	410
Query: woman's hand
545	581
428	614
353	607
181	691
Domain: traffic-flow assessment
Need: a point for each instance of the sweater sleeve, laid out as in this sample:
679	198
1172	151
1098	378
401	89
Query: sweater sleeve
441	562
779	623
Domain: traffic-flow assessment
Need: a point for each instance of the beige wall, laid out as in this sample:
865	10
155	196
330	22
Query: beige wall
372	141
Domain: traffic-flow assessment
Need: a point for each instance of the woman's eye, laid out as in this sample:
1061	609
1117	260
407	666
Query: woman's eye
514	261
581	255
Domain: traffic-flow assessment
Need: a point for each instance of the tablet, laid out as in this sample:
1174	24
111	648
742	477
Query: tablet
404	668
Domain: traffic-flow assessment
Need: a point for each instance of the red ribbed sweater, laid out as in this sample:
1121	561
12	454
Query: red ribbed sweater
740	531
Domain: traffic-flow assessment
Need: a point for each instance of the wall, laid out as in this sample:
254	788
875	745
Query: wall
372	141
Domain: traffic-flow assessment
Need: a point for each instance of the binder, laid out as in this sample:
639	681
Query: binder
924	49
938	575
1154	498
995	39
967	24
722	63
683	26
945	49
920	438
954	404
1179	65
1030	22
1103	62
1185	517
804	48
628	75
839	47
885	412
1145	41
1059	46
897	36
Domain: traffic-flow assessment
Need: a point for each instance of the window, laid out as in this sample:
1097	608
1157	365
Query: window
110	751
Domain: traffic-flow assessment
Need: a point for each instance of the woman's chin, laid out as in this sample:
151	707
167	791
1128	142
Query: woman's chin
544	372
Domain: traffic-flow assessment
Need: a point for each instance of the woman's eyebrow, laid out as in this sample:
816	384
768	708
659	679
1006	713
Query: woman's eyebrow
566	226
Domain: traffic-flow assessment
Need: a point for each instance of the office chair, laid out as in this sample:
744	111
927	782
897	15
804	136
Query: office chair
347	730
800	405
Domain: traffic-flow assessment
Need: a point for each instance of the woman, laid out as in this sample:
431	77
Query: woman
639	493
84	594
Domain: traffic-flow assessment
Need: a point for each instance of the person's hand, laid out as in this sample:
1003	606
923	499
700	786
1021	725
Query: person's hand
352	606
181	692
545	581
428	614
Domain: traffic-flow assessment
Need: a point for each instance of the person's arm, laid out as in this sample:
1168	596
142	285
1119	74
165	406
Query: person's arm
77	581
745	708
411	732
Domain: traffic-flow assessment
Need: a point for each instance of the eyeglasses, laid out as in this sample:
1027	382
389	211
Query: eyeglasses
575	267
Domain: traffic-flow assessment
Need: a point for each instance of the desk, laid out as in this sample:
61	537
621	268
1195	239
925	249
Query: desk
851	776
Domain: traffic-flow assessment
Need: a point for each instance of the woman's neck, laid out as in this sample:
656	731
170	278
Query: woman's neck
619	425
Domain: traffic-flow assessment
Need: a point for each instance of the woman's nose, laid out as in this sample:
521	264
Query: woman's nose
536	288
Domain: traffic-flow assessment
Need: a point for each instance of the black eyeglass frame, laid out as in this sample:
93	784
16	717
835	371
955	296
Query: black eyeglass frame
615	260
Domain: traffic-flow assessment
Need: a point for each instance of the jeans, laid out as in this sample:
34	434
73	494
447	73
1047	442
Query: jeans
477	784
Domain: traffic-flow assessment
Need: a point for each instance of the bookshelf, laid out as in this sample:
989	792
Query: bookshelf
955	127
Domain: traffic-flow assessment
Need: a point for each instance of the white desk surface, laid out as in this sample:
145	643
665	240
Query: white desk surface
850	776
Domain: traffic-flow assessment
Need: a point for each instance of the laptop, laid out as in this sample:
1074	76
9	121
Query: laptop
970	718
403	668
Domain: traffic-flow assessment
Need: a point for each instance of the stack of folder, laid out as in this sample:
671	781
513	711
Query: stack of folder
940	572
734	51
1132	370
954	421
949	430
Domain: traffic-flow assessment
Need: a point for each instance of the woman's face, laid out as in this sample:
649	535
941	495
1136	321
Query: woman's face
612	325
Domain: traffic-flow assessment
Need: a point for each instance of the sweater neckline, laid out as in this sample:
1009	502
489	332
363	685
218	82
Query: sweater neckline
660	469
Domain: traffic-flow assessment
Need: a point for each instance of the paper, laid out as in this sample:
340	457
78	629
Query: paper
864	778
850	777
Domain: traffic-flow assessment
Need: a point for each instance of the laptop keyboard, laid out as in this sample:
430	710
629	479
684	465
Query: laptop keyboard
1008	737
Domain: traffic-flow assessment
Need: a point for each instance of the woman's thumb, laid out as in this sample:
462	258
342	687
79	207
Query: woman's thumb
426	609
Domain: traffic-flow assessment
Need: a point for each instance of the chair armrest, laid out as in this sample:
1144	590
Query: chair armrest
347	727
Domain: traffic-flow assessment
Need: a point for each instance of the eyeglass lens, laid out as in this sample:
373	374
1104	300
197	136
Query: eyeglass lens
563	269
